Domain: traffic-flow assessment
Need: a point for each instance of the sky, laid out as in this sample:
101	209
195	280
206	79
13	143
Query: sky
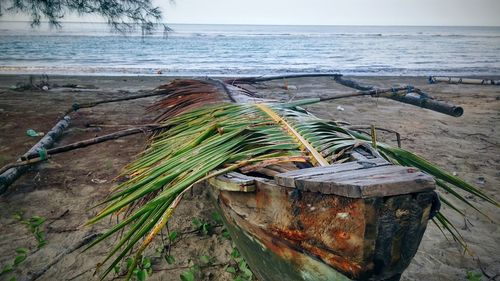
325	12
335	12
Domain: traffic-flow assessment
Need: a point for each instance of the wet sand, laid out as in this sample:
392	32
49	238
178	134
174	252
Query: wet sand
64	189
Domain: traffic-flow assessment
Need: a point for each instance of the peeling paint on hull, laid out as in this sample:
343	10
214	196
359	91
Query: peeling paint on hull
285	234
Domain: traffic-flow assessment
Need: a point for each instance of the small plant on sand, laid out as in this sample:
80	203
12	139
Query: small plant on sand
21	255
474	275
35	226
203	227
239	267
141	272
190	274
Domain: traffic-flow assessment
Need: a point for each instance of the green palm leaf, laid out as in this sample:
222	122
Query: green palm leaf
215	139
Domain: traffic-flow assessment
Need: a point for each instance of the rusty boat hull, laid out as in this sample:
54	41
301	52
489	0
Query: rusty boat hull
361	220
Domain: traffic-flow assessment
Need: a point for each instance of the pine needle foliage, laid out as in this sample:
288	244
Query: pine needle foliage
120	14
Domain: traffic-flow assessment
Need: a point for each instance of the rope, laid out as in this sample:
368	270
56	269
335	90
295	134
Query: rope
42	153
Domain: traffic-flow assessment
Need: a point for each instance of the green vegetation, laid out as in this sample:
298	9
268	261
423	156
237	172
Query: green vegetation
474	276
121	14
240	269
195	268
34	225
21	255
202	226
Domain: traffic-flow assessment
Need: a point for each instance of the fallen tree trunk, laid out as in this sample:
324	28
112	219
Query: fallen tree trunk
33	158
9	176
434	105
88	142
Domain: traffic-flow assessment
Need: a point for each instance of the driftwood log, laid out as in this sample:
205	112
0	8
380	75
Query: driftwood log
34	158
9	176
412	96
458	80
92	141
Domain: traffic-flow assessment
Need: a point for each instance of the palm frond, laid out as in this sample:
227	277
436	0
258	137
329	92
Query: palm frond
201	141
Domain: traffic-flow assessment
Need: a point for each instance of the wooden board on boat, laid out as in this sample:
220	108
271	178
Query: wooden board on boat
359	179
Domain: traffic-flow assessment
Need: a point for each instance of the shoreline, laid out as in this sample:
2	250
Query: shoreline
173	76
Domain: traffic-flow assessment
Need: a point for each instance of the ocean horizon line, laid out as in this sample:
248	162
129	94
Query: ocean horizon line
263	24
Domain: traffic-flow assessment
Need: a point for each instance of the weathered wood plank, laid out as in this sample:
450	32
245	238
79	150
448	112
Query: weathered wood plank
233	182
378	181
288	179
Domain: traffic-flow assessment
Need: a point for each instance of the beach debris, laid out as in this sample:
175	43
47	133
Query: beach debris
33	133
288	87
252	80
340	108
458	80
480	180
98	181
34	83
363	128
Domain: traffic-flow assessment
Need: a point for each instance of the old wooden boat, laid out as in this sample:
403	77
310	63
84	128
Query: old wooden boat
303	198
359	220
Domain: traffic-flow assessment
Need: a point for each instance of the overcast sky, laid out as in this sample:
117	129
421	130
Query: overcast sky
335	12
326	12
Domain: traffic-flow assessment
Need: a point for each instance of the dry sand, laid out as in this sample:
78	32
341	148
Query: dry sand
63	189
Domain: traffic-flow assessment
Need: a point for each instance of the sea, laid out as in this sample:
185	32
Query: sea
86	48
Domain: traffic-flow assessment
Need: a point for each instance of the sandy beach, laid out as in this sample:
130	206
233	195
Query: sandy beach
63	189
